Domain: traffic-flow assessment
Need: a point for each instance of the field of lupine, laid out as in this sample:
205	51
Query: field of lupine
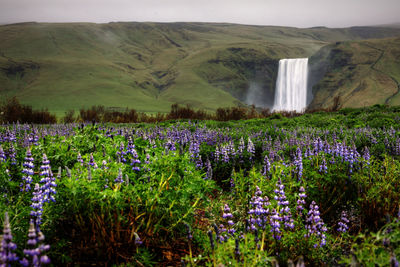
308	190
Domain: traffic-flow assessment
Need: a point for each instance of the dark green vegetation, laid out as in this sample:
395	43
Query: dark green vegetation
130	193
149	66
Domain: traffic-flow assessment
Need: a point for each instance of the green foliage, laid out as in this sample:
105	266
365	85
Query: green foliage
376	249
97	219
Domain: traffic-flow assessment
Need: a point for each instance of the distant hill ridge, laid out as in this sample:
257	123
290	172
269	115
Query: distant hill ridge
149	66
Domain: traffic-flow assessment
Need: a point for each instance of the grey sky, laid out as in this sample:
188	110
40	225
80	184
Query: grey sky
298	13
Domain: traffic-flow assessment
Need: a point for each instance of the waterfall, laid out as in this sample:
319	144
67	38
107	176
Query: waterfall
291	85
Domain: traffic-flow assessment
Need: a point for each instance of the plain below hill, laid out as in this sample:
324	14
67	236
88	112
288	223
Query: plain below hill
149	66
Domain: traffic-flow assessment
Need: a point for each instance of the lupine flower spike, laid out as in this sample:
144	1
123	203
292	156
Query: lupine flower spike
27	171
299	163
7	247
2	155
343	227
119	179
37	205
48	181
315	225
188	232
301	201
34	254
138	241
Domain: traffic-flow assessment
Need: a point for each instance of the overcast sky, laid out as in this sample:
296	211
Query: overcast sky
298	13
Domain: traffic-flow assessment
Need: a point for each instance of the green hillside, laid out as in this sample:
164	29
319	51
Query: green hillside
149	66
361	73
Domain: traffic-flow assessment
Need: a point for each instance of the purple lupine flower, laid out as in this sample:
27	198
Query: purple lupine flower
33	138
231	149
315	225
231	181
199	162
121	153
217	153
280	196
267	166
7	247
138	241
194	149
223	237
332	160
301	201
241	146
89	175
393	261
275	220
92	162
135	161
48	181
170	145
104	165
298	162
12	154
323	168
227	216
283	204
259	210
188	232
2	155
37	205
327	148
119	179
34	255
309	153
147	160
225	154
250	148
130	146
343	223
27	171
209	173
366	155
349	157
79	158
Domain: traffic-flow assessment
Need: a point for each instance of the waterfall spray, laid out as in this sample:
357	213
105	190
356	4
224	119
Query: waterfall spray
291	85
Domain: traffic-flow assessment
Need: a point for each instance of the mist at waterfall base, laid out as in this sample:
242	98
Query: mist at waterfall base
259	96
291	85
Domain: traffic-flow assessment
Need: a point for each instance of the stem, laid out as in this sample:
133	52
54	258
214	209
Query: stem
214	263
190	253
262	241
